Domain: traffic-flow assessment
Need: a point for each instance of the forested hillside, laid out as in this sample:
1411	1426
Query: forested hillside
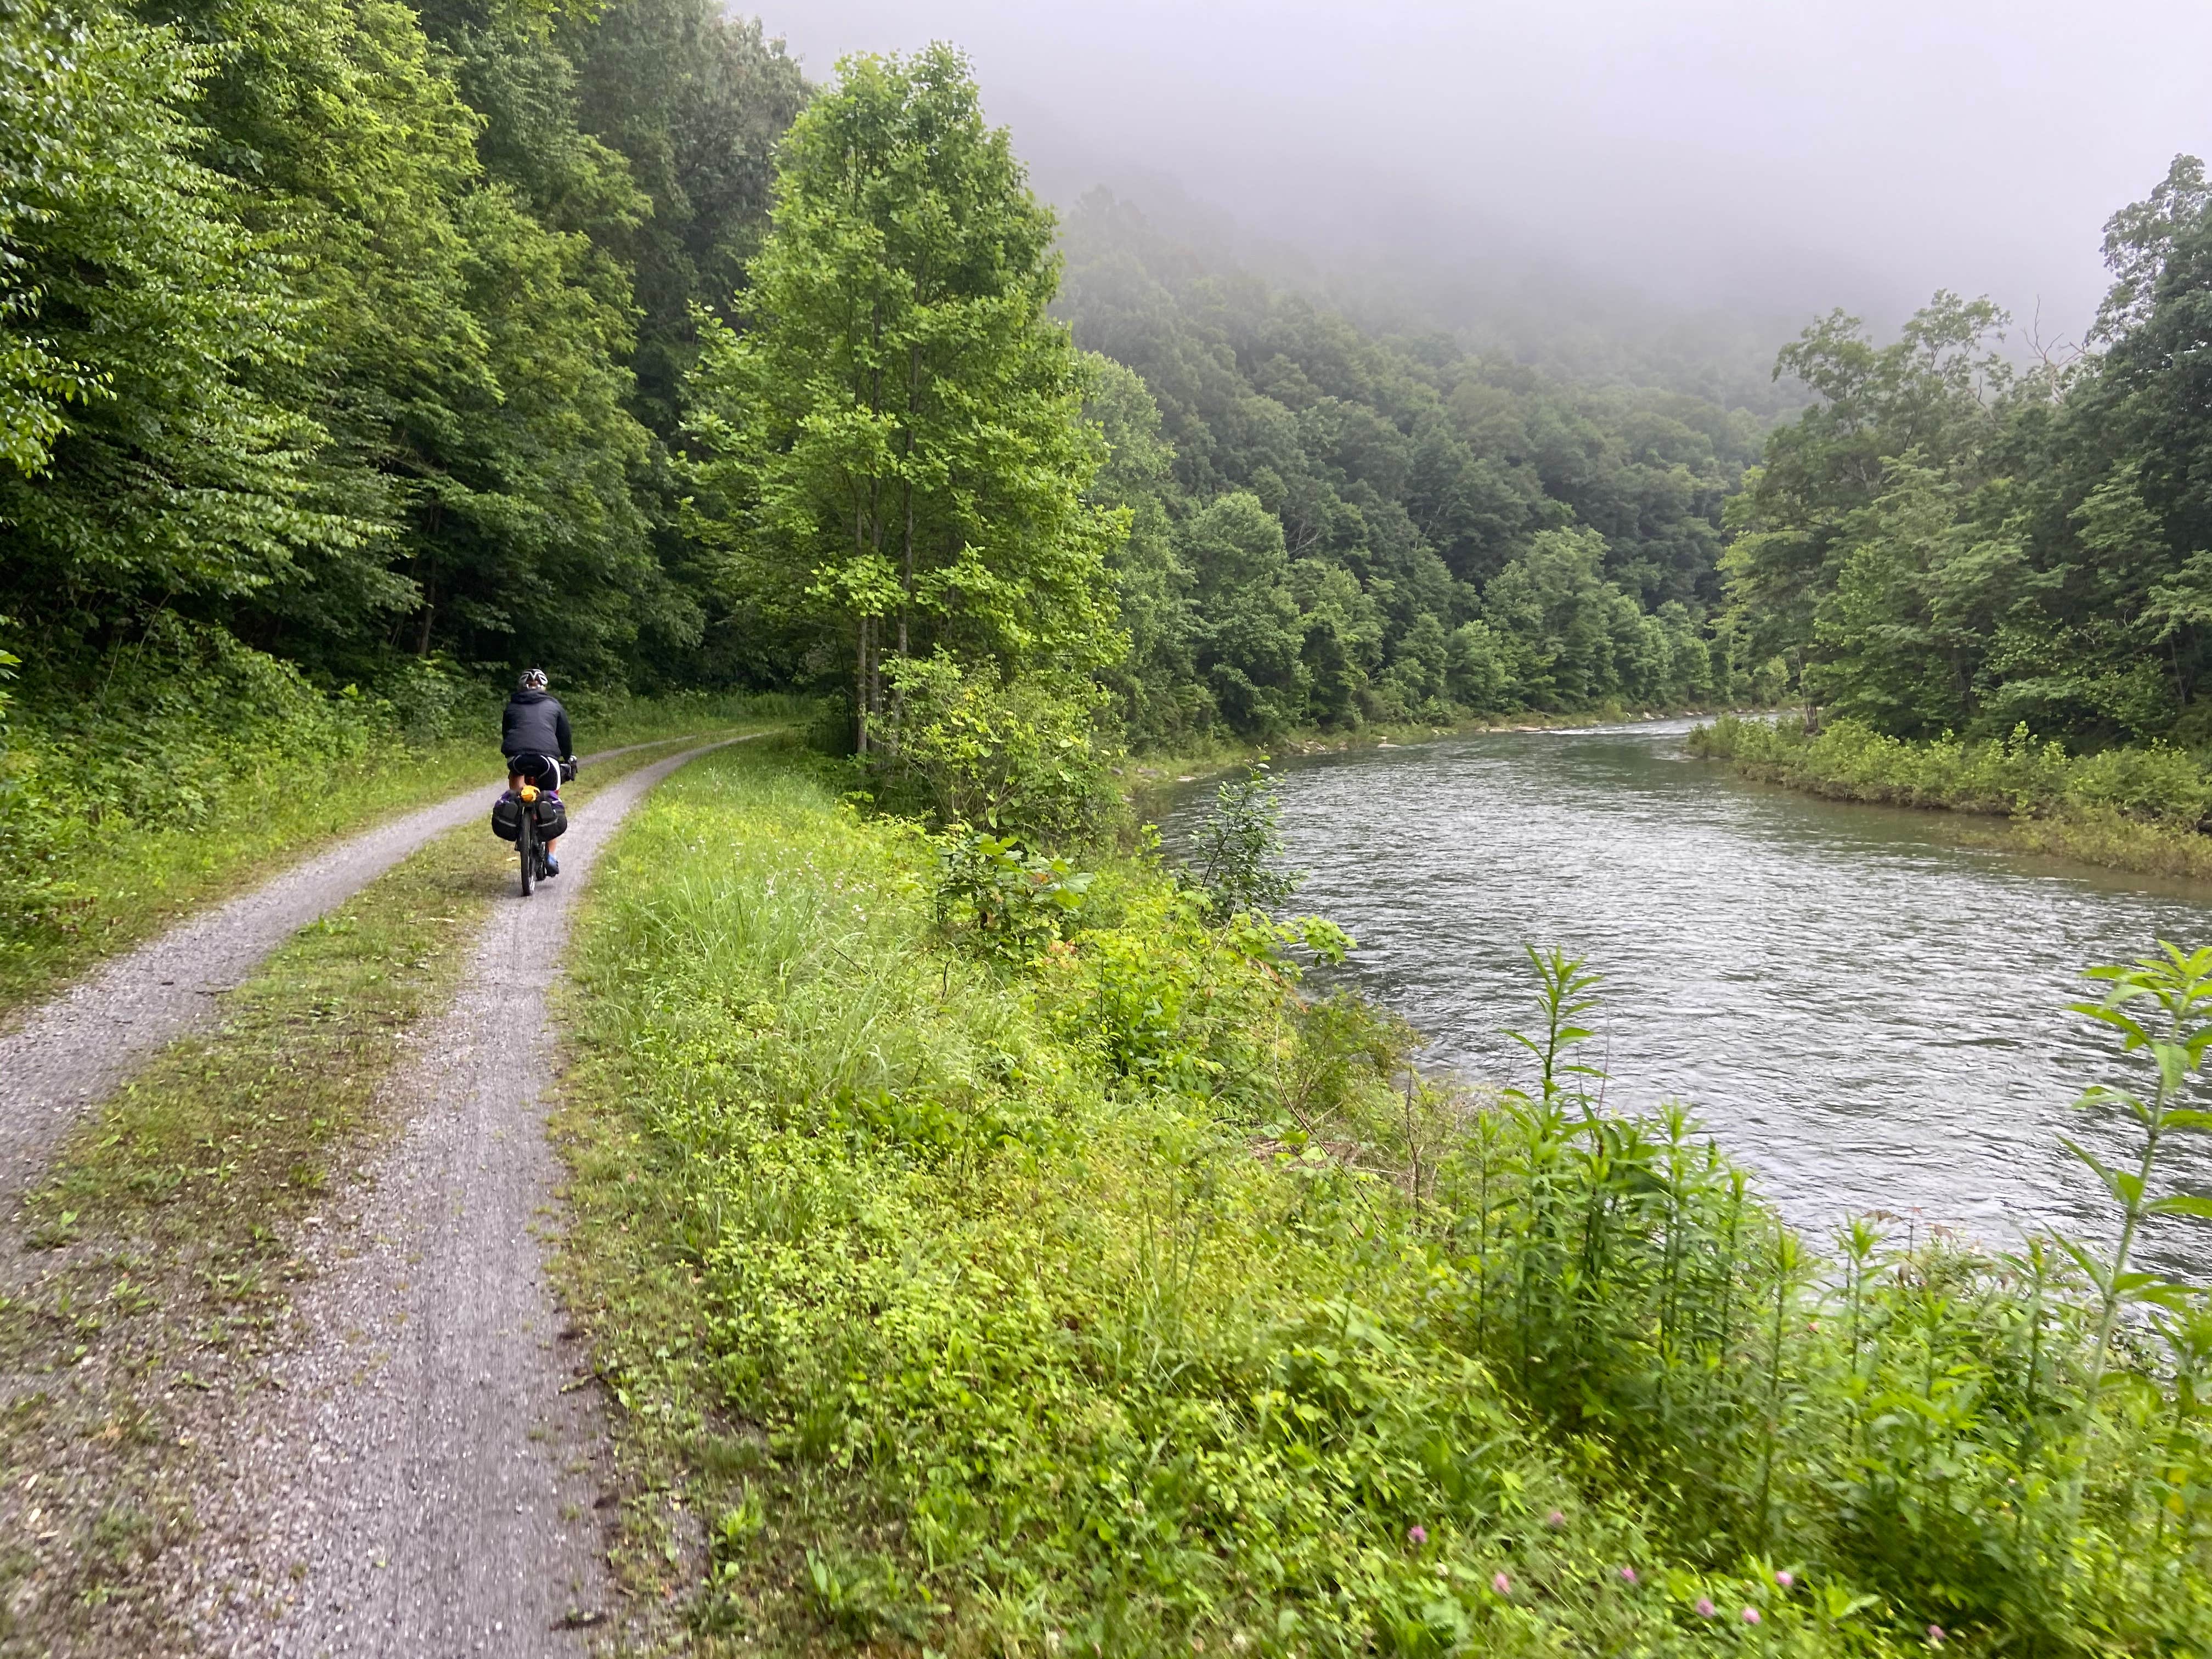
357	336
1949	542
351	333
1331	526
353	358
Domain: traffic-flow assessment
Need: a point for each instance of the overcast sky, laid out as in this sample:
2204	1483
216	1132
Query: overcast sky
1788	157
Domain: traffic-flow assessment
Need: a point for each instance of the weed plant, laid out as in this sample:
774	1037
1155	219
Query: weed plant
1236	852
1131	1297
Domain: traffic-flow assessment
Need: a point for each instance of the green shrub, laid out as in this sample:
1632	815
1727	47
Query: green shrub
1235	853
1016	757
1006	899
1137	1300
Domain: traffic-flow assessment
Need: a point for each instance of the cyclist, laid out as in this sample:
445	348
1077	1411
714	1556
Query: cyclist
534	737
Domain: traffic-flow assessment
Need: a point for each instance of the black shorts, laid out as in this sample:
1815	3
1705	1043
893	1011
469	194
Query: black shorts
539	769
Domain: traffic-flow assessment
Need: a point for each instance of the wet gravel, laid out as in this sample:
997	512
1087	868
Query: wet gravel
59	1057
421	1474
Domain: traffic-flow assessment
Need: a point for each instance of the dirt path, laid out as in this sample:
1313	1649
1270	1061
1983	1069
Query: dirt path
419	1477
64	1056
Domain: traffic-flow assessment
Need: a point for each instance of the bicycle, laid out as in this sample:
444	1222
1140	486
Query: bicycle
526	842
529	839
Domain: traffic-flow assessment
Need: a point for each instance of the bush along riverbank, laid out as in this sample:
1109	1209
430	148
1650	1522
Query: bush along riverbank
990	1252
2133	808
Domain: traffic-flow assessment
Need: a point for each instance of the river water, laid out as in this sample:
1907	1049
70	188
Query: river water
1865	1004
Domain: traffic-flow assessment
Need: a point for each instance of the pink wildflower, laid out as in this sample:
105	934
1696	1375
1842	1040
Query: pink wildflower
1502	1584
1934	1636
1417	1534
1751	1616
1628	1575
1786	1578
1555	1520
1705	1607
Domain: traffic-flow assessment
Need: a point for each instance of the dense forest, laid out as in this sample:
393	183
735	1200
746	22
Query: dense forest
348	345
1330	526
352	351
352	334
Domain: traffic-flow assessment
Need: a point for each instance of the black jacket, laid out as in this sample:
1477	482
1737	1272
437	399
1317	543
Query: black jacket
535	724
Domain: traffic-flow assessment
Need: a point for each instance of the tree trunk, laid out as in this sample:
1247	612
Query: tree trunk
906	609
860	695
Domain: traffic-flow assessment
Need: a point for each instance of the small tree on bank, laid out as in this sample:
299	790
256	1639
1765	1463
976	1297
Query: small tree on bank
893	449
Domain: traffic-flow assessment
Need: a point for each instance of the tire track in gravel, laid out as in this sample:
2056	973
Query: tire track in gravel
64	1056
419	1477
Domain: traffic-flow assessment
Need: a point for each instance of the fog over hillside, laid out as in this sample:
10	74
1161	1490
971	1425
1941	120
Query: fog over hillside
1603	165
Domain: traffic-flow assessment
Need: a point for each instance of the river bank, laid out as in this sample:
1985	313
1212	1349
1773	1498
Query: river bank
1867	1002
1144	776
1108	1295
2137	809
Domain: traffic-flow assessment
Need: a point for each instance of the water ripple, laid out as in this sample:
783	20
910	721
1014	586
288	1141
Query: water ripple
1865	1005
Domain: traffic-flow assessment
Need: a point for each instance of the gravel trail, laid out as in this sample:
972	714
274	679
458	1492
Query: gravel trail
419	1477
64	1056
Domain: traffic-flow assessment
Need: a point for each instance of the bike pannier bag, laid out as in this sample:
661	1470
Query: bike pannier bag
552	818
507	817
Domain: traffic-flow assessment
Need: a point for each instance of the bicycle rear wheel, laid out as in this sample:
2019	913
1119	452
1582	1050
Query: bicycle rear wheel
526	845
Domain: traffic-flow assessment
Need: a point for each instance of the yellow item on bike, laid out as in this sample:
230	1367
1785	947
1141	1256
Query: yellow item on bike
529	793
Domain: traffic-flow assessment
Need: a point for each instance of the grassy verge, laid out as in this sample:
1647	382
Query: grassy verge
96	885
1111	1297
2130	809
161	1256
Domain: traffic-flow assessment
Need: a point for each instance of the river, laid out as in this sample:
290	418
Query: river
1866	1005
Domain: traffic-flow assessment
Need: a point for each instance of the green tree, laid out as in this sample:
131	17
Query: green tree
1156	686
1246	632
697	103
145	330
1905	634
1555	605
895	446
1937	391
1478	669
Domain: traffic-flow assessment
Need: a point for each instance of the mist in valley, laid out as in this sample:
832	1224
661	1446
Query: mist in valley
1700	177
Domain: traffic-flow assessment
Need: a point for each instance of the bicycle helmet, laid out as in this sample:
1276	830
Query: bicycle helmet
533	679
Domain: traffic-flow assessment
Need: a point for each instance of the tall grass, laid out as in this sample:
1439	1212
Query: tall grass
2137	808
1132	1299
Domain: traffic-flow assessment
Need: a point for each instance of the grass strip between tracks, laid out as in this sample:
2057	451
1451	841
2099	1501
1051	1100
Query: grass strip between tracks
161	1253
